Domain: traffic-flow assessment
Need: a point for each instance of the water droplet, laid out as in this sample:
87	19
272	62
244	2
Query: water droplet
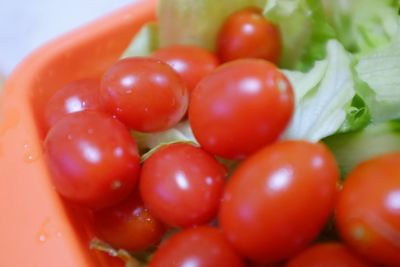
116	184
209	180
47	230
31	153
113	253
42	238
70	137
90	131
118	151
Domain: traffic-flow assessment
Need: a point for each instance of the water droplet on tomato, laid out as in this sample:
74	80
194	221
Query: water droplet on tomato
209	180
116	184
118	152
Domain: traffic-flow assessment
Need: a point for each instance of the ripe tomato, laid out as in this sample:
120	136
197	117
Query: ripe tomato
279	199
191	62
144	93
247	33
92	158
182	185
128	225
201	247
73	97
240	107
368	210
331	254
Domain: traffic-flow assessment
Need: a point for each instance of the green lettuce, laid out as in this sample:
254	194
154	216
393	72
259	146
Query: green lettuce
380	72
145	42
363	25
150	141
352	148
323	95
304	31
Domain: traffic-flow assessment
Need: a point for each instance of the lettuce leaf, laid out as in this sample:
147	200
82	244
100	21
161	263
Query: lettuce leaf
145	42
363	25
323	95
180	133
352	148
380	71
196	22
304	31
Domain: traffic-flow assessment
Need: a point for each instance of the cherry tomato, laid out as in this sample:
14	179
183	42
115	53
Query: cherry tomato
128	225
191	62
203	246
182	185
279	199
368	210
144	93
257	264
73	97
92	158
247	33
331	254
240	107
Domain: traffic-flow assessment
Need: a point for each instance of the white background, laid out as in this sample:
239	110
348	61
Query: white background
27	24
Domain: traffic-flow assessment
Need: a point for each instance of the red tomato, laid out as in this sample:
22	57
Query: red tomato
256	264
240	107
128	225
73	97
247	33
182	185
92	158
144	93
279	199
328	255
368	210
201	247
191	62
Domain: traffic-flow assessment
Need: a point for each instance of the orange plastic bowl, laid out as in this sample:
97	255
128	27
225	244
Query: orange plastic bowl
38	228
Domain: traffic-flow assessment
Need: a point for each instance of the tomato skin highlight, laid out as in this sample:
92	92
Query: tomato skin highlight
368	210
182	185
92	158
202	246
279	199
248	34
191	62
144	93
128	225
330	254
241	107
73	97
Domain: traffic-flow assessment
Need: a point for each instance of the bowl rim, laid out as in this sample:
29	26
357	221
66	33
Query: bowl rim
35	222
